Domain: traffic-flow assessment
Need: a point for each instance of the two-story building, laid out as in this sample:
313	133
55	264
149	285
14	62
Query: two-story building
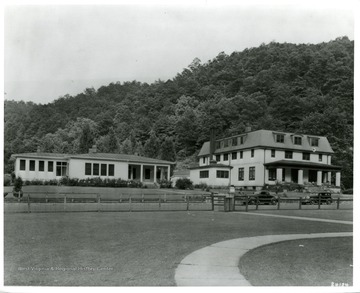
50	166
260	157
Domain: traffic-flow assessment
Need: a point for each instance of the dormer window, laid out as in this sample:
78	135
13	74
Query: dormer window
297	140
314	141
242	139
279	138
217	145
226	143
234	141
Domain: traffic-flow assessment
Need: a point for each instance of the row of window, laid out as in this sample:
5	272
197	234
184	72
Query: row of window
225	174
97	169
242	173
279	138
60	166
234	141
219	174
288	155
313	141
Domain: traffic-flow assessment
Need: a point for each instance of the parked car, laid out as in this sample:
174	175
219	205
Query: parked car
323	196
263	197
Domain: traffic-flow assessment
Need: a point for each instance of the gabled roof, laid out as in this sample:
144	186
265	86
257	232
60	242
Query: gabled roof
94	156
266	139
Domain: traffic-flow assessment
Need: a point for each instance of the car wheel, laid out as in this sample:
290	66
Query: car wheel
328	202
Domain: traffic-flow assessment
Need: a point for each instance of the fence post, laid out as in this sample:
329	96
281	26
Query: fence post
19	196
300	202
159	201
130	202
278	203
28	203
46	197
142	197
212	202
64	201
120	198
99	202
247	203
319	202
257	203
165	197
338	203
187	202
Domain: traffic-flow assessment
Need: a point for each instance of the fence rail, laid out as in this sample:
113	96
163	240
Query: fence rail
71	202
77	202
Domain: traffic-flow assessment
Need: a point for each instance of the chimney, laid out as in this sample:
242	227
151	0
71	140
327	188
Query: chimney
38	149
93	150
248	129
212	146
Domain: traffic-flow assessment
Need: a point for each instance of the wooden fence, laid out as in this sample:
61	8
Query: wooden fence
78	202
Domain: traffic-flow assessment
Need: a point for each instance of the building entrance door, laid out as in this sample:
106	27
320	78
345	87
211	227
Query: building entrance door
294	175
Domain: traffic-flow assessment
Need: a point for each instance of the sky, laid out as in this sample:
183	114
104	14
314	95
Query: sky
54	50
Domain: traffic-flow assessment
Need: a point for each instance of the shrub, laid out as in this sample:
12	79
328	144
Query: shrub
202	186
17	189
165	183
184	183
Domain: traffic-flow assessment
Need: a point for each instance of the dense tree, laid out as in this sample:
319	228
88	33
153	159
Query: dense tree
305	88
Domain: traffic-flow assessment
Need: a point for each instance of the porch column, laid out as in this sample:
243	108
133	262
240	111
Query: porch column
141	172
161	173
319	177
300	176
168	173
329	177
279	174
155	170
337	179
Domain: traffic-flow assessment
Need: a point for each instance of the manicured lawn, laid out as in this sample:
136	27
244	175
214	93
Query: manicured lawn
306	262
124	249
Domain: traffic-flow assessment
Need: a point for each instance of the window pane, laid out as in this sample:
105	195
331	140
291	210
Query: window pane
103	169
226	157
111	169
87	168
32	165
204	174
234	156
50	166
241	154
22	164
95	169
241	174
41	165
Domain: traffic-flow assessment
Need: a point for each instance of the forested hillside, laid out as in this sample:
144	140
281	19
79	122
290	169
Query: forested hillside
303	88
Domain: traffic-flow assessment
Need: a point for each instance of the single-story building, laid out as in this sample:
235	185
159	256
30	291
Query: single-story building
50	166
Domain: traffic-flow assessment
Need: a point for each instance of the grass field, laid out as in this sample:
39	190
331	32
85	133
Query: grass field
305	262
124	249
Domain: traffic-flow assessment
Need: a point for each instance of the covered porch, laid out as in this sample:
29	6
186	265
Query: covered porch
148	173
302	172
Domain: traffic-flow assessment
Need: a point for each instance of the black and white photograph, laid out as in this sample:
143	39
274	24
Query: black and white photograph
189	144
